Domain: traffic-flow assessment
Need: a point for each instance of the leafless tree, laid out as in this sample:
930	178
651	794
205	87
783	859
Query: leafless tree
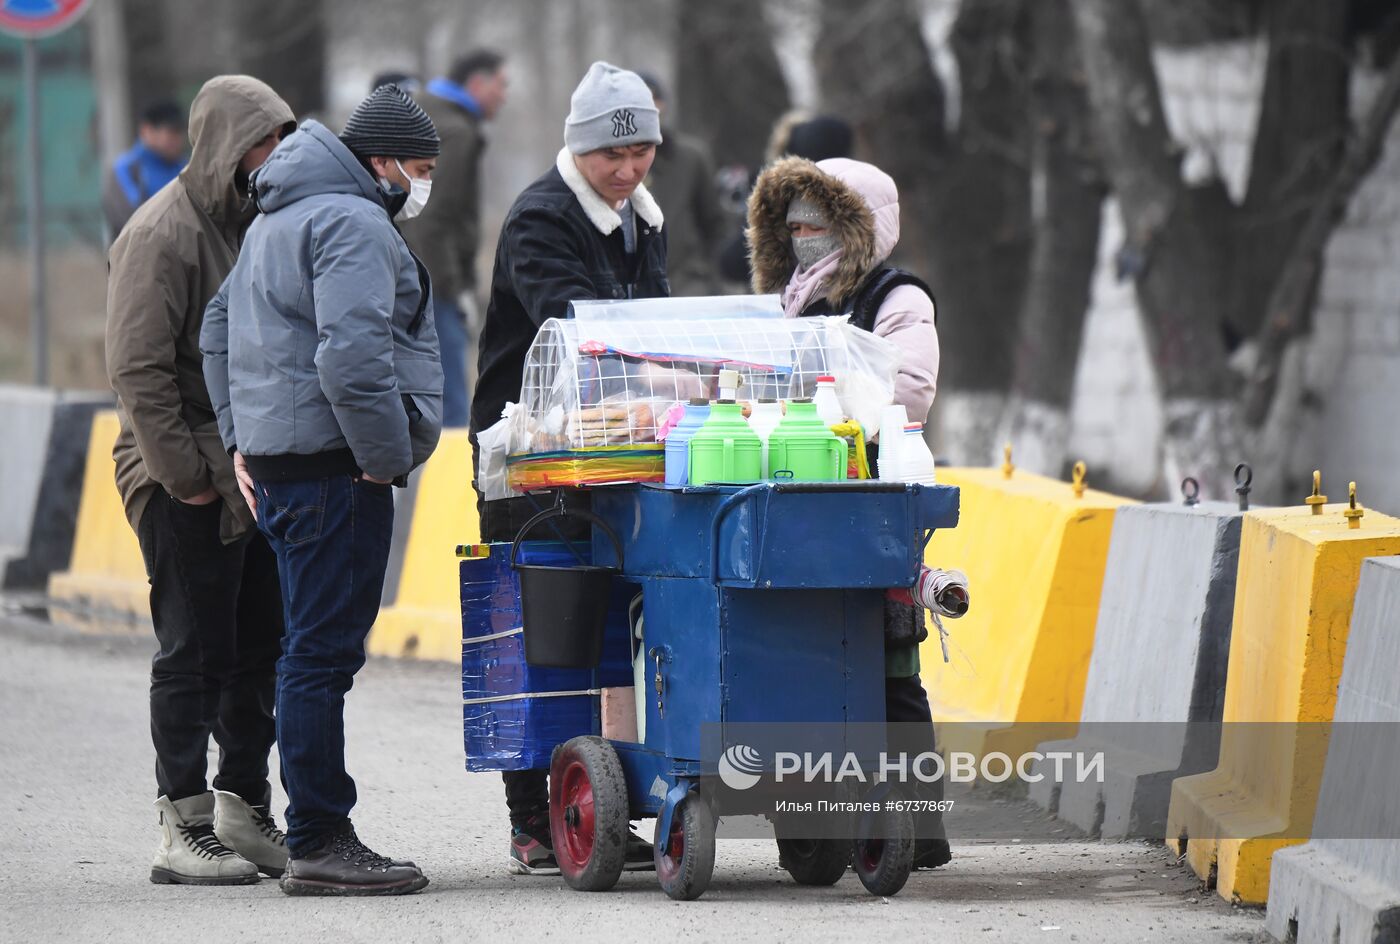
1207	272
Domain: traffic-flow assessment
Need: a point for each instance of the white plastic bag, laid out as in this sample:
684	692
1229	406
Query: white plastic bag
492	447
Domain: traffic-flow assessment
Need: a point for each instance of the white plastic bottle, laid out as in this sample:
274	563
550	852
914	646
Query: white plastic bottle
915	459
828	405
767	414
892	420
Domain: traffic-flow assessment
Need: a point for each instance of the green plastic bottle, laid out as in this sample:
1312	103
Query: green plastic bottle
806	447
725	449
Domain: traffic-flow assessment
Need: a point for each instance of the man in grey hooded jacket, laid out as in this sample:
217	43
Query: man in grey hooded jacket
322	364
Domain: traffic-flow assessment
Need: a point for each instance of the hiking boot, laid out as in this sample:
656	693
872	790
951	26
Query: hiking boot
343	865
640	855
931	853
251	832
190	853
532	848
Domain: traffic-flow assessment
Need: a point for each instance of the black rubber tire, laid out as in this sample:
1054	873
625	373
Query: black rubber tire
588	813
685	877
884	858
812	861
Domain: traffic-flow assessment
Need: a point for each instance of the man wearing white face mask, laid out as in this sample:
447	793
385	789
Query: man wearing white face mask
322	364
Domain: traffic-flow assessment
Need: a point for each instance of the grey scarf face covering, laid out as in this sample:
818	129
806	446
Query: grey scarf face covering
810	250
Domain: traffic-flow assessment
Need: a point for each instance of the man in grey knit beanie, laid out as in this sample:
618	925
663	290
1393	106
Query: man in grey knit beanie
611	108
587	229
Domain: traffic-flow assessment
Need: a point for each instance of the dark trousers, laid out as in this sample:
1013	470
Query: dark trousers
911	732
527	791
331	537
217	610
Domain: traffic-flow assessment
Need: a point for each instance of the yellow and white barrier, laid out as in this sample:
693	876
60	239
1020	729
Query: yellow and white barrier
425	619
105	588
1293	606
1034	551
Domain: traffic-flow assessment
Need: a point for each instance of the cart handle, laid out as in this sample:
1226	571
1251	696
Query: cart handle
724	508
559	511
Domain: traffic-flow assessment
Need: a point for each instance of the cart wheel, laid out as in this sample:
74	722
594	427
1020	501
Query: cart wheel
812	861
588	813
884	853
685	859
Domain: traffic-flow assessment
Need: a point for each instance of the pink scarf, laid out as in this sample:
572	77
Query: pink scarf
808	285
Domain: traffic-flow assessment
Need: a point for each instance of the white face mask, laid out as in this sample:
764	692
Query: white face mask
419	191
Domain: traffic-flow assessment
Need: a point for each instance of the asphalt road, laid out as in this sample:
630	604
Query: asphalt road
76	787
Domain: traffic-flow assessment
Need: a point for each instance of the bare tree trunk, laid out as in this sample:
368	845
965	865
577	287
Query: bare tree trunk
149	73
1297	149
1274	399
964	200
284	44
730	87
1067	199
1176	244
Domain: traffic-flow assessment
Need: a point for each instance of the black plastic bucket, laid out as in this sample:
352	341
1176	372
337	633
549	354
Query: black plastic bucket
564	610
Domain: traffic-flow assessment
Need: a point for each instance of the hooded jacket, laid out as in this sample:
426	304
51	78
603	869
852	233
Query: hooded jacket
861	204
168	262
320	349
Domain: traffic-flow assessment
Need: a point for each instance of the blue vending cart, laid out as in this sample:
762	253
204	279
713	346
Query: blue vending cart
760	603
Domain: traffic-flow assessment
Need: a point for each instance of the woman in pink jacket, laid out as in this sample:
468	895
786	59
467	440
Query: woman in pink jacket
821	234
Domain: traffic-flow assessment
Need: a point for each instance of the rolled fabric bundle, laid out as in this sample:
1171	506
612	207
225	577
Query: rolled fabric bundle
945	592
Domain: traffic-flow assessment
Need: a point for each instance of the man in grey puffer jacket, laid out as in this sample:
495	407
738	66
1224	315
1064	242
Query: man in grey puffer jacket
321	358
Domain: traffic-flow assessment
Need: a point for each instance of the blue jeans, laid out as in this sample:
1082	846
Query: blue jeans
331	537
452	343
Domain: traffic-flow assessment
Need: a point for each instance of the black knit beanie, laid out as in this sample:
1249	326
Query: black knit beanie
388	123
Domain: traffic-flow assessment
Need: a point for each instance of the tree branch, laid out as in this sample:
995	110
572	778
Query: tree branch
1292	297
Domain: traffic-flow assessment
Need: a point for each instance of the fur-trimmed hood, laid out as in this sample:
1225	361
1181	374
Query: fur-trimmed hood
602	216
860	201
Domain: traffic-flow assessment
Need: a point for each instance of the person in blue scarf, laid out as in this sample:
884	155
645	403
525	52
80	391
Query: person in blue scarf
153	161
447	234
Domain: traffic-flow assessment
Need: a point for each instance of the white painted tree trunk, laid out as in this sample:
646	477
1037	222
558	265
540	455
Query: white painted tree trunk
1038	434
968	425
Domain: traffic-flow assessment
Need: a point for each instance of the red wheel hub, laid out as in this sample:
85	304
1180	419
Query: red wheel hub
869	852
670	859
575	847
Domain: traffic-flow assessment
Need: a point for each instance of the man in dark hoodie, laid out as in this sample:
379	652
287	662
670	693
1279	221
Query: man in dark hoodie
322	362
587	229
215	600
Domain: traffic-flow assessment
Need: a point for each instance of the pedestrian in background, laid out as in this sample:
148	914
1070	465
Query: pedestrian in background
446	235
216	601
683	181
322	362
587	229
153	161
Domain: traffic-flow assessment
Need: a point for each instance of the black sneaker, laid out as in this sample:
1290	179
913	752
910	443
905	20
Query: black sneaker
345	866
532	849
931	853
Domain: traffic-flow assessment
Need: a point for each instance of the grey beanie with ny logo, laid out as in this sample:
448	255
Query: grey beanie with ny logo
611	107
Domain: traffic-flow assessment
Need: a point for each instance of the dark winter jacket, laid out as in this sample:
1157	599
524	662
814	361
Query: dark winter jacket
561	242
320	349
683	181
445	234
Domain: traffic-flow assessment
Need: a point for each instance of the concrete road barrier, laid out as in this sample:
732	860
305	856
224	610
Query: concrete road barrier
425	619
1293	606
1157	675
45	436
1034	554
105	588
1343	887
